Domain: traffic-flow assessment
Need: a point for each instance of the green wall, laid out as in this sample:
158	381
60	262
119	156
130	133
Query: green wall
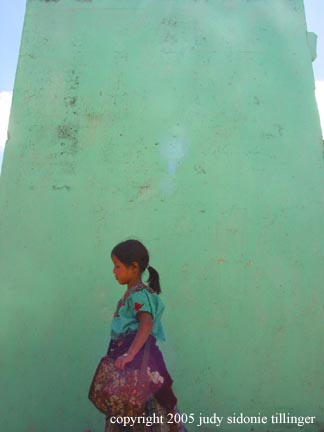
192	126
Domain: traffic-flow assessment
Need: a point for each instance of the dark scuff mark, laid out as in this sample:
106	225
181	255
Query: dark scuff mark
68	136
279	128
200	169
172	22
75	81
144	188
54	187
267	135
70	100
66	132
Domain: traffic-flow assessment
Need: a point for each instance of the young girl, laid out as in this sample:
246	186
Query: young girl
137	323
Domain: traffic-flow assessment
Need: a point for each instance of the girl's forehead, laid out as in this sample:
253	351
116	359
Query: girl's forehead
115	259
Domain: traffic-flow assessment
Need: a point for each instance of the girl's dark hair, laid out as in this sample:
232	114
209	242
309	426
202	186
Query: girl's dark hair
130	251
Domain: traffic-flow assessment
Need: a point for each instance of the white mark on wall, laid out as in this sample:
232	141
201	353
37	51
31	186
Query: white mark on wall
173	150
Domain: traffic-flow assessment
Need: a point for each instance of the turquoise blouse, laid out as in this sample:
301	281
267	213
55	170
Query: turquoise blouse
140	298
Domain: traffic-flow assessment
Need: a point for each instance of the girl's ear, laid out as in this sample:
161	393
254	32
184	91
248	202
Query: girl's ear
135	265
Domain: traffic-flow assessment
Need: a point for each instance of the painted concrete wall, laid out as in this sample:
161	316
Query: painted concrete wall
193	127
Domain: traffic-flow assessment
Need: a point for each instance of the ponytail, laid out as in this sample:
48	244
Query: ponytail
154	279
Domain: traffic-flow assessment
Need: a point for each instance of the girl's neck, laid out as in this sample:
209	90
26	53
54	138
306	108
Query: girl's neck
133	283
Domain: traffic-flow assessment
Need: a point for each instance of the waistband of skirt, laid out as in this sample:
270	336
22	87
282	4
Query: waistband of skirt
123	342
130	336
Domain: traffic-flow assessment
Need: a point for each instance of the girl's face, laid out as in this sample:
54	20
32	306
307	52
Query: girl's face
124	273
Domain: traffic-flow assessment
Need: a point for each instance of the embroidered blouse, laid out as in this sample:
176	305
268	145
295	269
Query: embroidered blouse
140	298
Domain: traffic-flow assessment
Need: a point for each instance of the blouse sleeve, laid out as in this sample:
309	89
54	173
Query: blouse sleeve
140	301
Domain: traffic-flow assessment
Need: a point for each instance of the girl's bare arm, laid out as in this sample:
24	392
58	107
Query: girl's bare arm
142	334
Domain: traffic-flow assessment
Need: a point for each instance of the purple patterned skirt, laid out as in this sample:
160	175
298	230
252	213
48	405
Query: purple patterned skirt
155	361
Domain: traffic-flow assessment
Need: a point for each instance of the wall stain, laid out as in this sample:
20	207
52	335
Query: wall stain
94	118
144	188
74	81
54	187
70	100
67	132
172	22
200	169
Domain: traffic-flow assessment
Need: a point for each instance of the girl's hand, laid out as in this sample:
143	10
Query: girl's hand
122	360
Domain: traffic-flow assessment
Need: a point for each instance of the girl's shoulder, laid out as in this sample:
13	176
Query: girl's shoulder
142	287
144	294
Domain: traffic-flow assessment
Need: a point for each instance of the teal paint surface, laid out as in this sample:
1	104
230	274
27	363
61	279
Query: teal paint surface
193	127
